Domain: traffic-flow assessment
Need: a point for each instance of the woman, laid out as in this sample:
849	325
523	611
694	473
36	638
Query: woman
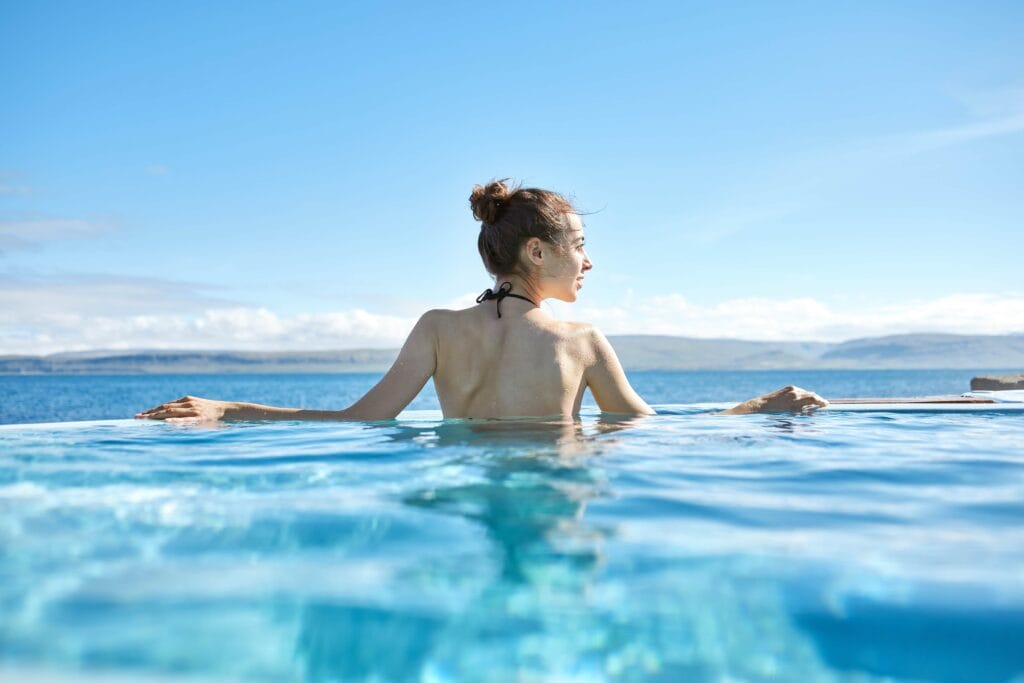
504	357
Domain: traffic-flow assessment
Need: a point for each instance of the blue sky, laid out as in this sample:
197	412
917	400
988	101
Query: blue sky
295	175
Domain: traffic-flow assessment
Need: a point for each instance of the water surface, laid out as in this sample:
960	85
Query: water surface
686	546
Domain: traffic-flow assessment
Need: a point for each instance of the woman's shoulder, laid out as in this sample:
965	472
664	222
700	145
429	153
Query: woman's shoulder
583	335
590	343
435	320
579	329
442	319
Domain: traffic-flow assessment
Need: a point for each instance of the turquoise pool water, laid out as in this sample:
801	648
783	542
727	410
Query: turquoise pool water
682	547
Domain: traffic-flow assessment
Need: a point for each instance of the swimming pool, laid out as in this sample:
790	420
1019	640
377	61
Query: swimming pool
685	546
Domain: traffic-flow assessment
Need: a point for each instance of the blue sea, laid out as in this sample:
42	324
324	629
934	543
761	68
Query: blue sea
688	546
60	398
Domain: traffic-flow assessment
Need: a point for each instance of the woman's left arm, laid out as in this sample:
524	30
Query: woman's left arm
410	371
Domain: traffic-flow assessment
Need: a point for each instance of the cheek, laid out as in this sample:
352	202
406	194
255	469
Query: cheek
569	264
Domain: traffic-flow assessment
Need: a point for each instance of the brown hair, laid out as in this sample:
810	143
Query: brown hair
509	217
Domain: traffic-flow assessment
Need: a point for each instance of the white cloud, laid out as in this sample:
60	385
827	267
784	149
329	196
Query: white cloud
40	315
22	234
805	318
222	328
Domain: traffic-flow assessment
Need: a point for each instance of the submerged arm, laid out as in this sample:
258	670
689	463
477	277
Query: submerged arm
608	383
410	371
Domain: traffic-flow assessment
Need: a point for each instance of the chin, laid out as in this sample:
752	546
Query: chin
568	294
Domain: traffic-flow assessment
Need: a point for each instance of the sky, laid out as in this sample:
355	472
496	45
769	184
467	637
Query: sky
270	175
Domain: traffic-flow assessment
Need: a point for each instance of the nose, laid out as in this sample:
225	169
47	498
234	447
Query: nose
587	263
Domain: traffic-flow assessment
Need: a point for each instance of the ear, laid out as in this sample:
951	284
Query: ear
534	251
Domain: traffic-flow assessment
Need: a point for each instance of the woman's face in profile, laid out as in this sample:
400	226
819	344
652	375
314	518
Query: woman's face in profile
569	263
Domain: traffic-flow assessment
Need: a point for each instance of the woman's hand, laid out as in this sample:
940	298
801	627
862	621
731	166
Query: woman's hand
785	400
189	409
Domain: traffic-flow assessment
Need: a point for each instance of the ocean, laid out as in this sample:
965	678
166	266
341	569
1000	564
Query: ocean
60	398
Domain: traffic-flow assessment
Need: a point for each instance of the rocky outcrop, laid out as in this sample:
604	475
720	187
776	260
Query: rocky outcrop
997	382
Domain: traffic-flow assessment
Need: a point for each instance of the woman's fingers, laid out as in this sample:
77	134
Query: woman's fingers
168	411
186	409
160	411
153	411
811	400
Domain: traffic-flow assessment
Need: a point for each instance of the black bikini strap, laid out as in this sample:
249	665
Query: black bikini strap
503	291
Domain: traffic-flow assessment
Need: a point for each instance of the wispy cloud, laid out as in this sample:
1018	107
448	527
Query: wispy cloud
26	298
969	132
11	183
985	114
768	196
32	232
13	188
157	169
994	112
748	213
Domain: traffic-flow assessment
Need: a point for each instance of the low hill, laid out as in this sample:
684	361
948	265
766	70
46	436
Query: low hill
199	362
928	351
644	352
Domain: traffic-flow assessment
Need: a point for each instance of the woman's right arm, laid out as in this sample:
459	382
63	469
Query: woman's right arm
607	380
613	393
410	371
788	399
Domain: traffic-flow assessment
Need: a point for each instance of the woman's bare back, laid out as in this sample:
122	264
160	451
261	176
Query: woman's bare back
524	363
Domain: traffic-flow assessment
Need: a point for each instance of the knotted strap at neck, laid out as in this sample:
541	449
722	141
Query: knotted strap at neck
503	291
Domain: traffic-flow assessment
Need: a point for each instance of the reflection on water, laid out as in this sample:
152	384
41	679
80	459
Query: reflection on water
530	490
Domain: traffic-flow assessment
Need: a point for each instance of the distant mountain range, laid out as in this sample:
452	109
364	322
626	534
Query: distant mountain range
903	351
637	352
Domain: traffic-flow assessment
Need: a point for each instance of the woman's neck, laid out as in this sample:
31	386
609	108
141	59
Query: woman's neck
520	286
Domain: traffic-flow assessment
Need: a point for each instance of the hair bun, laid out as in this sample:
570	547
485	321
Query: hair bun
488	201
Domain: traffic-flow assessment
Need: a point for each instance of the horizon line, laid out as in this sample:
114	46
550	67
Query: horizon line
170	349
